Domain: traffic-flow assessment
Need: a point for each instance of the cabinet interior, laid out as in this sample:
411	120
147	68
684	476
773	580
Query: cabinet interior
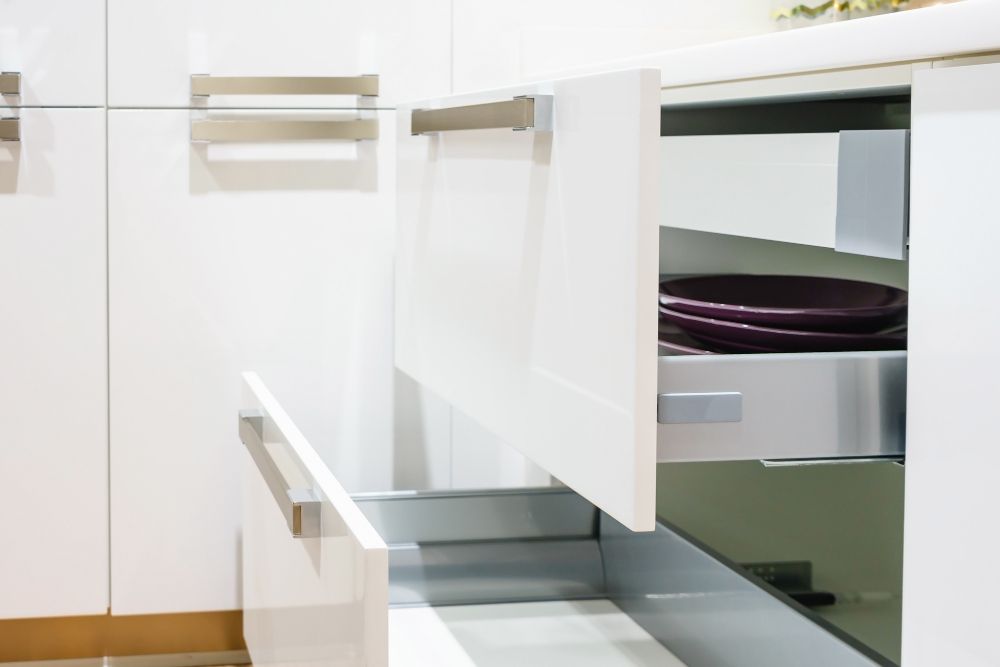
846	520
832	114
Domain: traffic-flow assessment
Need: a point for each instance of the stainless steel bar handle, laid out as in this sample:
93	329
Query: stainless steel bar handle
301	507
204	85
521	113
10	129
284	130
10	83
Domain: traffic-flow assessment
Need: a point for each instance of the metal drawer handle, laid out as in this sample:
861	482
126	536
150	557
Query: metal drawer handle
10	83
10	129
288	130
204	85
301	507
521	113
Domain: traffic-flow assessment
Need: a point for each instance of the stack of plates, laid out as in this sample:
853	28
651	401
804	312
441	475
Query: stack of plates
749	313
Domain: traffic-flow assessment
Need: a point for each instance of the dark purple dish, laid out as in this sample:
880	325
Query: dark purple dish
787	302
741	337
674	344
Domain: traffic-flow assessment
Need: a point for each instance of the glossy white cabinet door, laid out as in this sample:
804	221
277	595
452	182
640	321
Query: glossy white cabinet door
154	46
312	601
950	581
53	367
224	257
526	280
58	48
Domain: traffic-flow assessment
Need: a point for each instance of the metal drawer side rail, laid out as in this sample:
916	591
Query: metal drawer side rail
532	112
205	85
797	406
709	611
485	547
300	507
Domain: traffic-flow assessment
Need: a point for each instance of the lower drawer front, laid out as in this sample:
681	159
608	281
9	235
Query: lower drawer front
781	406
319	598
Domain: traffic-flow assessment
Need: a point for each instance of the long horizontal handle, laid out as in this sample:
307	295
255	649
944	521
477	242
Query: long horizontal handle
284	130
10	83
301	507
520	113
203	85
10	129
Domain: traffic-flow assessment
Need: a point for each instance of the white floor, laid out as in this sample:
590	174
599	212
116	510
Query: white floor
593	633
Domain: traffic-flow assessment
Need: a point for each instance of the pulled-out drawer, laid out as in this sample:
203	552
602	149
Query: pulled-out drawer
843	190
831	405
321	571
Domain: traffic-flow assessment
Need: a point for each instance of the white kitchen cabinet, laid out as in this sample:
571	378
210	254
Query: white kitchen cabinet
526	278
226	256
502	44
949	578
154	46
53	356
57	47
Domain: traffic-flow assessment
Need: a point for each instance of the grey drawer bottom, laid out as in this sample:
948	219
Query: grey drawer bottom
836	405
464	548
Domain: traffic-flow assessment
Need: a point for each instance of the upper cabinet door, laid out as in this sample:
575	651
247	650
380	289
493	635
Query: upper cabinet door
155	46
53	366
526	275
57	49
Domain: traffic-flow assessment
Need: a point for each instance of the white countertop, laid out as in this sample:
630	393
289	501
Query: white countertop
968	27
592	633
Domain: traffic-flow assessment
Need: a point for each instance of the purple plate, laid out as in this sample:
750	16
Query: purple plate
787	302
741	337
673	344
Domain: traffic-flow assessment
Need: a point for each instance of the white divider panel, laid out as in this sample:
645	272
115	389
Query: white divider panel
314	601
779	187
526	280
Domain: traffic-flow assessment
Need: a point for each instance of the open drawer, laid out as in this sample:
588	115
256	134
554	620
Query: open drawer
530	577
528	260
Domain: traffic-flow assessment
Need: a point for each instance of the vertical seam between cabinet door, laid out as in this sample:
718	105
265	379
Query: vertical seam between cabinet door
451	47
107	279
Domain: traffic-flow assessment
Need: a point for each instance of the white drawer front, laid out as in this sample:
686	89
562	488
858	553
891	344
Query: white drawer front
526	280
53	367
314	601
844	190
57	46
227	256
155	46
